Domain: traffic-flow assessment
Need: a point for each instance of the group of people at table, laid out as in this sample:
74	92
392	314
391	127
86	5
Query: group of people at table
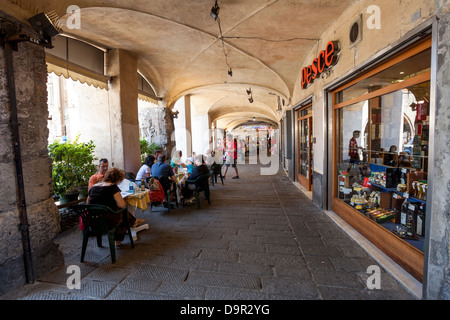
104	188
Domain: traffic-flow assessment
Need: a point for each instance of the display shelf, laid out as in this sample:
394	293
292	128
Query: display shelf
418	244
411	199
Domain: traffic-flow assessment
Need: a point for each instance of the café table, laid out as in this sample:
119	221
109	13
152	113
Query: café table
138	200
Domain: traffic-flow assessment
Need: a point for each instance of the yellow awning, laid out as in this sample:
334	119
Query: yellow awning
146	97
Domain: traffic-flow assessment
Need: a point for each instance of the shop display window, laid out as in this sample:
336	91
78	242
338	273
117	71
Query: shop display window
305	147
382	147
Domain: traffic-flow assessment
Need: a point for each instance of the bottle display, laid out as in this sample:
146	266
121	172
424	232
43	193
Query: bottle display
404	210
142	185
420	225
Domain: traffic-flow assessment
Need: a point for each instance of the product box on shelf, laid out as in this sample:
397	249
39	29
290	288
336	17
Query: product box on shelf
392	177
397	201
386	200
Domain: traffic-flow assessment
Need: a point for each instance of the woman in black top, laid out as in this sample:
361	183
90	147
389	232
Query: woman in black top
108	194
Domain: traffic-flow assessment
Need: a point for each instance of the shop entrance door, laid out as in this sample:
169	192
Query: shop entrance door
305	150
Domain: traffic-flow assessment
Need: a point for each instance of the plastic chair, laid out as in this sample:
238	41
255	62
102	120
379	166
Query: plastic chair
202	185
216	170
94	225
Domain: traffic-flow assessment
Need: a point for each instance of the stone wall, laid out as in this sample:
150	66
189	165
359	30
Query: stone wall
43	216
438	275
156	125
151	123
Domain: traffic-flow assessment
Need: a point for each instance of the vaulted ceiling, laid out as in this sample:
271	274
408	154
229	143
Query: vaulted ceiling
182	50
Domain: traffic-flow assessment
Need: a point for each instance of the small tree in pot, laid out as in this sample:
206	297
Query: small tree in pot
72	167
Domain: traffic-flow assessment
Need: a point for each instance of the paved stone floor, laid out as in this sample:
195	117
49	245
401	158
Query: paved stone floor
260	238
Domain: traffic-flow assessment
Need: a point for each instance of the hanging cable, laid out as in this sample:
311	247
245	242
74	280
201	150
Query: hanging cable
230	71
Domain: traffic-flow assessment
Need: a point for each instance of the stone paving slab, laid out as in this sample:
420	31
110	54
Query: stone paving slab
260	239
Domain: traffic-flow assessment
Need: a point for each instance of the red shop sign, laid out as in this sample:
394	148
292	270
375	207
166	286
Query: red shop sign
327	58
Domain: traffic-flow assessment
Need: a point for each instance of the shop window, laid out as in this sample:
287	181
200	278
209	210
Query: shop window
381	125
305	150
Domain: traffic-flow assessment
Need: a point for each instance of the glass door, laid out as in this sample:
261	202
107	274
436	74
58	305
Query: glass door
305	150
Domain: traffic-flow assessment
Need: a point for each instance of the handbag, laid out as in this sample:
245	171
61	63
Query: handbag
153	185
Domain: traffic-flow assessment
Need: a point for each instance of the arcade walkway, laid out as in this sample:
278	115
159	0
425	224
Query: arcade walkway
260	239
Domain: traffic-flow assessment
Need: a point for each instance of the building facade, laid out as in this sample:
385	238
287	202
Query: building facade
367	132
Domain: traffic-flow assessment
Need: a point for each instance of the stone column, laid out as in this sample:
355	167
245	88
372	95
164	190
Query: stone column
188	124
30	73
437	262
121	66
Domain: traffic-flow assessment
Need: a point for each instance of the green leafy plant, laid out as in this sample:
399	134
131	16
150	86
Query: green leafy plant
72	165
147	148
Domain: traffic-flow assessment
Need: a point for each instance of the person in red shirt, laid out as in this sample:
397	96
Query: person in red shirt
231	153
353	151
102	168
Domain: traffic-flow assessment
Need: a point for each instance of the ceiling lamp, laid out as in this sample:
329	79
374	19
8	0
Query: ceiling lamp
215	11
249	92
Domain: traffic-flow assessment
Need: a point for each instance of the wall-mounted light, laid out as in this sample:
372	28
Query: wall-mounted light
46	29
174	113
215	11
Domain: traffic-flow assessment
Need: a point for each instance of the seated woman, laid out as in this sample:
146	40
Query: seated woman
176	162
145	170
108	194
190	165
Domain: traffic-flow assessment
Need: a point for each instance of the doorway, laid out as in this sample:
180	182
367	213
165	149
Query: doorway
305	150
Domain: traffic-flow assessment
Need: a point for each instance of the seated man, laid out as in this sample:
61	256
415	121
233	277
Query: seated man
102	168
164	172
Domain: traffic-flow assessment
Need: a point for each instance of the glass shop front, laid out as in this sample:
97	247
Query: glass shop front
380	154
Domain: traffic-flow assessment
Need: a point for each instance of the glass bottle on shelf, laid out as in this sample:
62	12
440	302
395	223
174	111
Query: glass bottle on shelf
404	209
419	190
420	225
410	232
410	222
414	189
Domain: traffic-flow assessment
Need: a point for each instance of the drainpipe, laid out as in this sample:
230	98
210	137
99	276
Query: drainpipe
22	207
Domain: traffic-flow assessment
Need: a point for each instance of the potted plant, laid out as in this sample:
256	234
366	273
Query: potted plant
72	166
147	148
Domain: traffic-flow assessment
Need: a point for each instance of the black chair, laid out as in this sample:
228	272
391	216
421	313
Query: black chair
94	225
201	185
216	170
169	186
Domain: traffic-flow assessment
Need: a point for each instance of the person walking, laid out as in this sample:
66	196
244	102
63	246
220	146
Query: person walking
231	156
